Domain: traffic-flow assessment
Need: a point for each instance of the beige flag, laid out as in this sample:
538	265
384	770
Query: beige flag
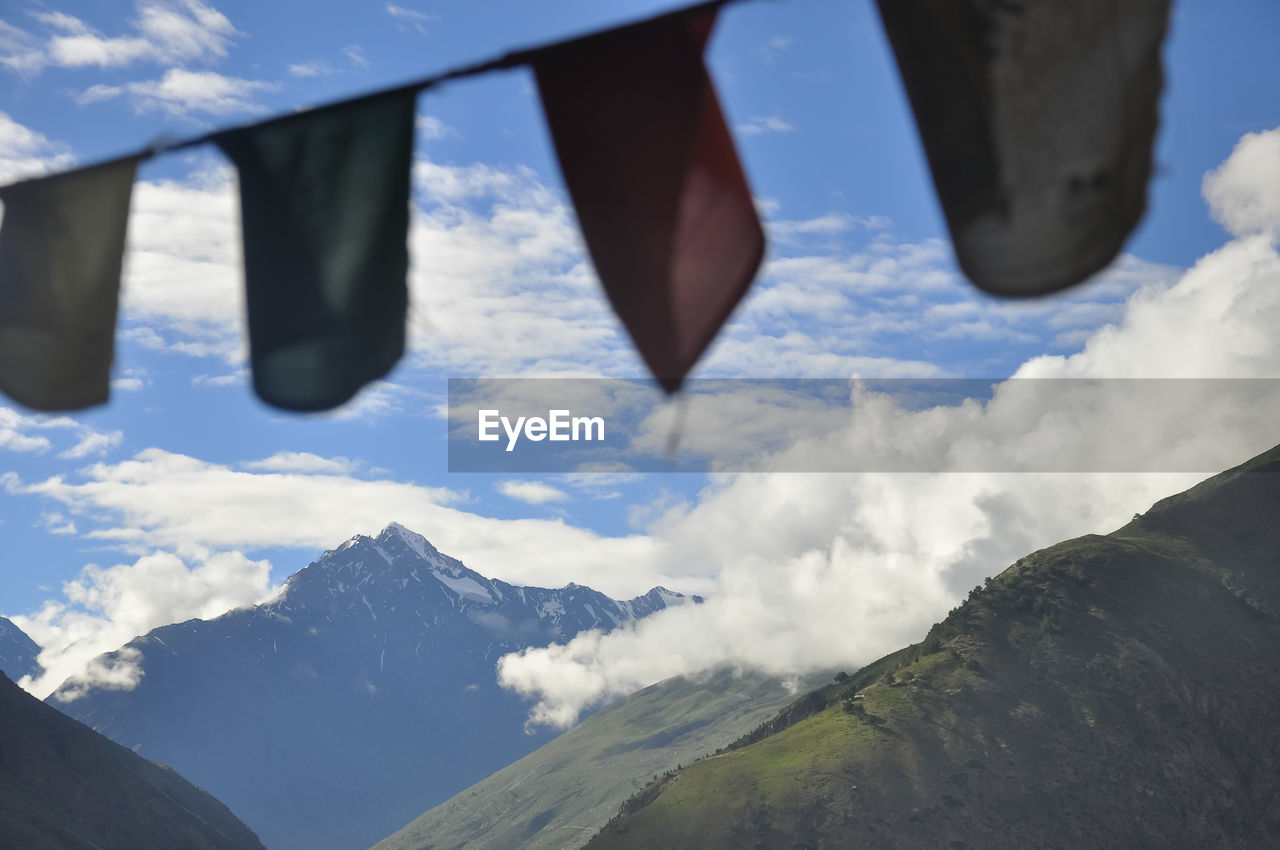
1038	118
61	247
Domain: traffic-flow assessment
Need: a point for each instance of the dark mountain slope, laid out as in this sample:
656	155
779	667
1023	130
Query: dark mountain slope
365	694
1109	691
17	651
64	787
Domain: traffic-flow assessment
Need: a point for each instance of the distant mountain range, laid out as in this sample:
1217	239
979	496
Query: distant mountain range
1110	691
363	695
557	797
17	651
64	787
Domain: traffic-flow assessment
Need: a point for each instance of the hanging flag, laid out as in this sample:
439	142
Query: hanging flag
1038	120
661	199
324	200
61	247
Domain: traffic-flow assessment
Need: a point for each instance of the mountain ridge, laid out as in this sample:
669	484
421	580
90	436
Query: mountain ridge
361	695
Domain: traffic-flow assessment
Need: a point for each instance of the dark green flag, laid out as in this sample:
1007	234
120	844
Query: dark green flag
1038	118
324	200
61	248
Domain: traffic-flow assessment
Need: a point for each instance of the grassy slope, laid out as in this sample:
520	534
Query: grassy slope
65	787
561	794
1104	692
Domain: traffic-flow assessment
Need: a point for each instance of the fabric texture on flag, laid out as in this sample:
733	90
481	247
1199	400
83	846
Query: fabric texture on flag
660	195
61	248
1038	119
324	200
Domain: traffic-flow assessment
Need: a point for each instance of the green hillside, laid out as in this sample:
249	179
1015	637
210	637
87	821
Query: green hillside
1109	691
561	794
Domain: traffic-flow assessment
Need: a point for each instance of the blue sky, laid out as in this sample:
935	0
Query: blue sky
185	496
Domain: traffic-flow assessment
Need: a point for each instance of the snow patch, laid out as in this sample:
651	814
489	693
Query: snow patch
551	608
466	587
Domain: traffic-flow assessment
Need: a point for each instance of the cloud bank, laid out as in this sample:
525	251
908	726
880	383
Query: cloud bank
106	607
821	571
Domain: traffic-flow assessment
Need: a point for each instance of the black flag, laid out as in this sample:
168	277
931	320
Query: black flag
324	200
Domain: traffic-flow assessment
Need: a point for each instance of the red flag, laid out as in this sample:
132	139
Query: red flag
661	198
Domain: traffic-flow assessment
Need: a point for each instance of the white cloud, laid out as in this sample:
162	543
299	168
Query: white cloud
431	128
812	571
829	225
160	500
1244	192
166	33
98	92
20	432
181	92
20	51
531	492
815	571
127	384
410	18
759	125
238	377
187	231
766	207
600	481
498	269
56	523
304	462
104	608
26	153
884	265
92	49
93	443
355	54
826	225
1217	321
15	440
310	69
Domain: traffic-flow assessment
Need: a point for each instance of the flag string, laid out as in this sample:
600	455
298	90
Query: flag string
504	62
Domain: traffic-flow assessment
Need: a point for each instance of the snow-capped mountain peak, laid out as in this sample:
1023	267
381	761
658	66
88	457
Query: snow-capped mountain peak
384	638
412	539
399	570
